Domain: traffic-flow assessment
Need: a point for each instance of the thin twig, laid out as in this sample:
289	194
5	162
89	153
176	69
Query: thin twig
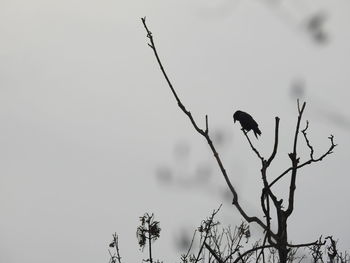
308	141
117	248
207	231
189	249
251	145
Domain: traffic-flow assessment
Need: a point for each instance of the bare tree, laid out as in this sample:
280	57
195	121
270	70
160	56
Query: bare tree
269	200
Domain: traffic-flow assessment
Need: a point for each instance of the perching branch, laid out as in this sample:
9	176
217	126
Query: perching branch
266	192
273	154
251	145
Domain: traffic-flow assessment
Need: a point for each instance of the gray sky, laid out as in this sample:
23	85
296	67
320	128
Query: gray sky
87	118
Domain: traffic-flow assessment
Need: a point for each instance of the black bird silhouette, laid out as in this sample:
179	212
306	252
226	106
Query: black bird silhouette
247	122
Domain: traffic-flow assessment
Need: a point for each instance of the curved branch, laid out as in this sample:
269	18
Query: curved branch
251	145
249	251
317	242
277	120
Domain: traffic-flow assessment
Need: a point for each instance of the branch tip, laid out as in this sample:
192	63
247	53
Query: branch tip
206	124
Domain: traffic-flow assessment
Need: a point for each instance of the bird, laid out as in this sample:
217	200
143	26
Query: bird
247	122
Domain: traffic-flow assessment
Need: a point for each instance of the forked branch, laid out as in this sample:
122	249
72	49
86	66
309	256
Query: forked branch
312	158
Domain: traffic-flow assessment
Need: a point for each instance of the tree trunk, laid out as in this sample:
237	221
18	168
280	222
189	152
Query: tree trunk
283	254
282	237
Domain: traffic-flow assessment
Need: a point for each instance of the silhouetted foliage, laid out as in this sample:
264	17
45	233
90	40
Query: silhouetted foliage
149	230
232	245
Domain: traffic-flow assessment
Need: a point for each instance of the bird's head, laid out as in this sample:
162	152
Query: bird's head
236	115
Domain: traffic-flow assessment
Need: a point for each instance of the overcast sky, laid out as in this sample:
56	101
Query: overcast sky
89	127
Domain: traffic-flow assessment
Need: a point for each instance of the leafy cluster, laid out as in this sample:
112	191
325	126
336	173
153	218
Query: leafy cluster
148	230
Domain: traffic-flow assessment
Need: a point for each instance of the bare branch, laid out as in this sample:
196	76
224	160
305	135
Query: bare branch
189	249
307	141
206	125
240	257
330	150
332	250
208	226
301	111
204	133
317	242
216	256
266	164
312	160
251	145
277	120
117	248
295	161
262	251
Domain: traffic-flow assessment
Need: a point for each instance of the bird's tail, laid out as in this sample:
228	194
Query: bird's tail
257	132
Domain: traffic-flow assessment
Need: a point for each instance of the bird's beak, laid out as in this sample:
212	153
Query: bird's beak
234	120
